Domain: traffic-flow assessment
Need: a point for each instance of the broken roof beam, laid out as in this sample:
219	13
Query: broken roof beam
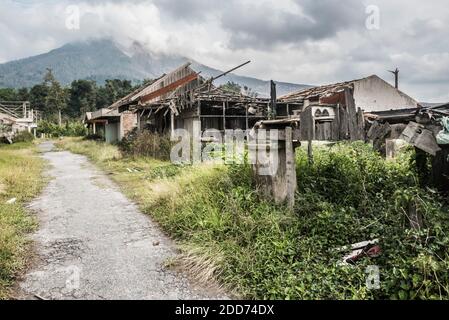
173	86
209	82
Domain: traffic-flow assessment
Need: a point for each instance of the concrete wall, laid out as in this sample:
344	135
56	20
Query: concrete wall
375	94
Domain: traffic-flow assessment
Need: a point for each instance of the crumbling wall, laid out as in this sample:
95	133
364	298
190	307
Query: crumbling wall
128	121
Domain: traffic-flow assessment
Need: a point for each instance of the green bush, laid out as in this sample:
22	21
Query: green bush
70	129
23	136
349	194
146	144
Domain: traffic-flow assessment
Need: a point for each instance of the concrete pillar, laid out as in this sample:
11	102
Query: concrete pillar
280	185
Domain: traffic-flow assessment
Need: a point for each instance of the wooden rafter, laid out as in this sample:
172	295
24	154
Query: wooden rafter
147	98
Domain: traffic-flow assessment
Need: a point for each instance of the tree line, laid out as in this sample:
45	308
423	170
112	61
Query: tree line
59	103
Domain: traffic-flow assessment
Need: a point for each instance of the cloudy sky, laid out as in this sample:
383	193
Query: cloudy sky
302	41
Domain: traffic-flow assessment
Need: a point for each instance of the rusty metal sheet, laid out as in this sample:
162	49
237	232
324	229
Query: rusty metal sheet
172	86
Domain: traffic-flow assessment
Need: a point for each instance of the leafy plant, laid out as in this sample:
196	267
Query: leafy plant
261	250
70	129
146	144
23	136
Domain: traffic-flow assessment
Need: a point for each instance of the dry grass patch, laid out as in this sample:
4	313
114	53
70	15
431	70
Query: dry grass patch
20	178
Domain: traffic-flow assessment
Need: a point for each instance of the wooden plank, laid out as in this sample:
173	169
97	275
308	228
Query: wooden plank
360	125
378	133
224	115
168	88
327	131
246	117
352	115
307	124
290	167
344	132
318	131
336	125
273	98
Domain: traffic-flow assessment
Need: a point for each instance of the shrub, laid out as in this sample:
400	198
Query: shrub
147	144
70	129
94	137
23	136
349	194
75	129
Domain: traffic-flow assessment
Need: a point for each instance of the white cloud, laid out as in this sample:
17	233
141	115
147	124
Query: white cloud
301	41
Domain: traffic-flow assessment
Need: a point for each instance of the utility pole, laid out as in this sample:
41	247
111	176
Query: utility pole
273	99
396	77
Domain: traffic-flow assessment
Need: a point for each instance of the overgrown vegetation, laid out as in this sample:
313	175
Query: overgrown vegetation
20	172
70	129
259	250
146	144
23	136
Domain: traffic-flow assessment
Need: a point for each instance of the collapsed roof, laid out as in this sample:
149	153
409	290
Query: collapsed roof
371	94
317	92
176	89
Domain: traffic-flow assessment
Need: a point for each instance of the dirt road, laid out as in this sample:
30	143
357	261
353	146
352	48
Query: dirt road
93	243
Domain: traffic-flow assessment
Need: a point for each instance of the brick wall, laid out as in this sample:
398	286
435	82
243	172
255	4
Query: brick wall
128	123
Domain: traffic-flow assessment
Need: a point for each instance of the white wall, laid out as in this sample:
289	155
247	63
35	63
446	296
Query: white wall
375	94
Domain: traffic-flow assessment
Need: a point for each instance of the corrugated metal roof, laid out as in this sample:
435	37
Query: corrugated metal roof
319	91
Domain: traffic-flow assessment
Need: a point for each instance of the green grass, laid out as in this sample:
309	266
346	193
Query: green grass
256	249
20	177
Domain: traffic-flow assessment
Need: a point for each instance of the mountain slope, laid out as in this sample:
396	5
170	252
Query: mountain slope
103	59
98	61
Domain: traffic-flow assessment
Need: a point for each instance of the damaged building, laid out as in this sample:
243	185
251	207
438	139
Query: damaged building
178	98
175	101
337	111
110	124
340	111
425	128
15	117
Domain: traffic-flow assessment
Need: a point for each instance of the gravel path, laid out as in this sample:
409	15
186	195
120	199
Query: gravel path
93	243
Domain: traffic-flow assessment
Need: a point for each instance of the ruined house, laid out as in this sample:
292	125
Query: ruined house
330	112
337	111
176	99
17	116
110	124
